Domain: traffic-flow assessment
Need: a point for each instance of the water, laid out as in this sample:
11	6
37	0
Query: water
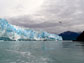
41	52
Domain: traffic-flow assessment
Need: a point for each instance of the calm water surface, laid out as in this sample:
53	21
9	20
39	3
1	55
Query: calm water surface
41	52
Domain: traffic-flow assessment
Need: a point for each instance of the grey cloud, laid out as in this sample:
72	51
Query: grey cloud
58	16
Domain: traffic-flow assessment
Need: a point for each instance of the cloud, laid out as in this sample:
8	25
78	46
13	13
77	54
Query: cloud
12	8
56	16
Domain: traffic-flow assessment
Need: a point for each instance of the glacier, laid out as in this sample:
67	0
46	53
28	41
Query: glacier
12	32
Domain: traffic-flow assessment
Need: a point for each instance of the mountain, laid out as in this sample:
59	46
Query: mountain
69	35
12	32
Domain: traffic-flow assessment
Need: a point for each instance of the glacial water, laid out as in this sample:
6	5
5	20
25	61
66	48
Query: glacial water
41	52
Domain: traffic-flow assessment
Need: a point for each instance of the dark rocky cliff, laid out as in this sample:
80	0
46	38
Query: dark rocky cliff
80	37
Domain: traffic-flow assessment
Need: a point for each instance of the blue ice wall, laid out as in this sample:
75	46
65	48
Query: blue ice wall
12	32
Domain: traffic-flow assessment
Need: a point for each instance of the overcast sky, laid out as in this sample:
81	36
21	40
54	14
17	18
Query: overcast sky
51	15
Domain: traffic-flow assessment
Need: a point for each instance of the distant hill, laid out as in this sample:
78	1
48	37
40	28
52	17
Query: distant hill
69	35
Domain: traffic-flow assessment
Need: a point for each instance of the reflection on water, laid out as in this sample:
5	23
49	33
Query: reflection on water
41	52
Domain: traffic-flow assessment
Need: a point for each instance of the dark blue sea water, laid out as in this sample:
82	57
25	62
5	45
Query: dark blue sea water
41	52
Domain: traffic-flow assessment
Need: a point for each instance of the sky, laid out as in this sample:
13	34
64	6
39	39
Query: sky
55	16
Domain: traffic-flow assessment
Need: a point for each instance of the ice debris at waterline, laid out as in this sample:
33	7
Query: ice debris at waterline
11	32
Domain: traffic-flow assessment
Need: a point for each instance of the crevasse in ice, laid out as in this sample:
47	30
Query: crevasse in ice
12	32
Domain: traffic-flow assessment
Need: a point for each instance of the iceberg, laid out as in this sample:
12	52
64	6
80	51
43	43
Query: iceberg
12	32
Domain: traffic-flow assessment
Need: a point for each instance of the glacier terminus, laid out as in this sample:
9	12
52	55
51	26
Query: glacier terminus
16	33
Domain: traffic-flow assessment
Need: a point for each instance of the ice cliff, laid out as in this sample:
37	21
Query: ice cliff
12	32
